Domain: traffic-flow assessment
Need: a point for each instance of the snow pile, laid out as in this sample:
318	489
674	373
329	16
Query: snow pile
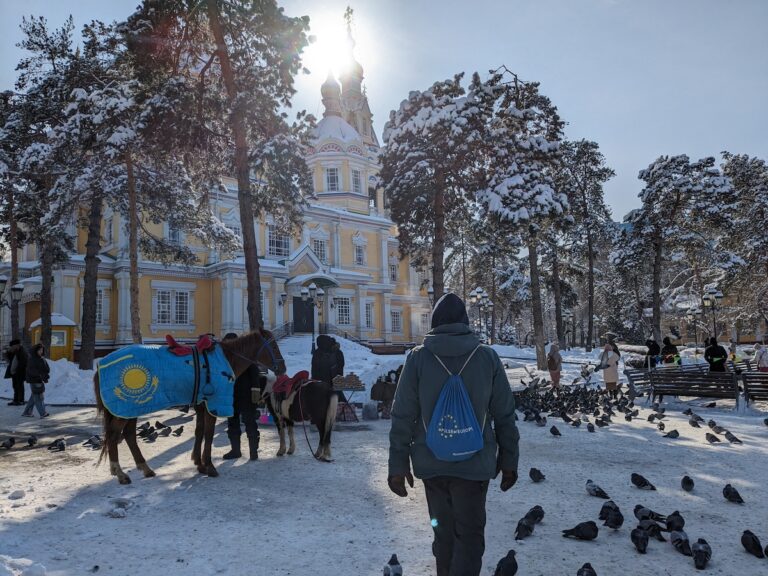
20	567
67	384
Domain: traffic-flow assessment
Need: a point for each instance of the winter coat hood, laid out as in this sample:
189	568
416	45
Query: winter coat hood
324	343
449	309
667	341
451	340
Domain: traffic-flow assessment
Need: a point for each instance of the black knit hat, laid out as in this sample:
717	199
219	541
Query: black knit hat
230	336
14	342
449	309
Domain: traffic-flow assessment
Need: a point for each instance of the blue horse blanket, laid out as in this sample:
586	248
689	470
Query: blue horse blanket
138	379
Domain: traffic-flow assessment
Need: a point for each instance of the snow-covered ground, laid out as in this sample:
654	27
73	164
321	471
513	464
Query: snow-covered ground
293	515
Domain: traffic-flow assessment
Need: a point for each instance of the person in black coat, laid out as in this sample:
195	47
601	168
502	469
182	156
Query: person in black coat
37	375
652	354
716	356
669	352
16	370
245	410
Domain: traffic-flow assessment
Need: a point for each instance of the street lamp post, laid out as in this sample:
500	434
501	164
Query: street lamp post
692	316
712	300
8	300
567	318
316	296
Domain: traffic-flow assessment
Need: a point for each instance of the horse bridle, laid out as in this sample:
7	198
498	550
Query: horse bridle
275	361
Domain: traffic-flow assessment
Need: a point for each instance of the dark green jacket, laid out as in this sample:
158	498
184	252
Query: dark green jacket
418	389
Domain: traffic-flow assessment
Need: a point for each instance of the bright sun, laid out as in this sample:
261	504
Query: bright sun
329	51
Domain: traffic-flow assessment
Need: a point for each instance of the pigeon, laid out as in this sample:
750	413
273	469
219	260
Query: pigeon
643	513
536	475
641	482
507	566
164	431
693	422
554	431
711	438
687	483
393	567
653	529
719	430
32	440
752	544
159	425
9	443
146	432
590	427
651	417
661	426
710	405
731	438
702	553
178	431
615	519
681	543
152	437
595	490
765	421
535	514
582	531
58	445
675	521
524	528
628	417
600	423
143	426
672	434
541	421
732	495
576	423
711	424
607	506
94	442
586	570
639	539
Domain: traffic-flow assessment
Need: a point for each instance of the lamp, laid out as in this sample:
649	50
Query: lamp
320	296
283	298
312	290
16	292
304	294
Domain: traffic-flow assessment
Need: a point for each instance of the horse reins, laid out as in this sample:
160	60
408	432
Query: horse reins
306	435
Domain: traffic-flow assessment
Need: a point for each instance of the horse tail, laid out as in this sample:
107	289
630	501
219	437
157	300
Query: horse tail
106	416
330	416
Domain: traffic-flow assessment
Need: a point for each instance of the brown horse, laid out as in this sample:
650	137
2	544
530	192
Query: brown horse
255	348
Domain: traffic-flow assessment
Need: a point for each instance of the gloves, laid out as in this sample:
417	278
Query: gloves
397	484
508	479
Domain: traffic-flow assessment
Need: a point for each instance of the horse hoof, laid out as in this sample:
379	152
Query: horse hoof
149	474
291	451
201	469
124	479
211	472
281	452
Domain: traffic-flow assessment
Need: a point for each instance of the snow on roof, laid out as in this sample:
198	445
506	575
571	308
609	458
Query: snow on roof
56	320
338	128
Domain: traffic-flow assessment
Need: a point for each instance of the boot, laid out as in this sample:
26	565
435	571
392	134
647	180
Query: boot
253	445
234	453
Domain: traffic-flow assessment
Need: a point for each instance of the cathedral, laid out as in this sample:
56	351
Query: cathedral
341	272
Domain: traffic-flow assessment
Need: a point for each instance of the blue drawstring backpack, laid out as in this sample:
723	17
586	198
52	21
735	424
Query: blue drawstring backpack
454	433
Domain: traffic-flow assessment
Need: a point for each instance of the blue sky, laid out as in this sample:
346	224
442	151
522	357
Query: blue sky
640	77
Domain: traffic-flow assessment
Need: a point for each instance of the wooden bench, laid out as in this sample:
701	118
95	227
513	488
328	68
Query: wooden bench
688	382
740	366
755	386
639	380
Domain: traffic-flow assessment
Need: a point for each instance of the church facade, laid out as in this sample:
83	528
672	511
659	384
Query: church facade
346	247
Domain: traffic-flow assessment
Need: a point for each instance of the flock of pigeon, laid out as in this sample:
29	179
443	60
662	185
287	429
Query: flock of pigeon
146	431
574	407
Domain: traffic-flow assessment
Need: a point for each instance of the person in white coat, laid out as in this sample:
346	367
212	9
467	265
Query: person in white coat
609	364
761	358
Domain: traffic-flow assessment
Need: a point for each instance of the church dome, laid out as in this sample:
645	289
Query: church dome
330	88
338	128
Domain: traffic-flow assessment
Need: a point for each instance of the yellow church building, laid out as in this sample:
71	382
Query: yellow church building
346	247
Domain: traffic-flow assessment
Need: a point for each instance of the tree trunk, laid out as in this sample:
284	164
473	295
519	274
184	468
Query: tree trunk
133	251
438	243
590	291
493	298
463	268
13	231
559	329
658	246
90	288
242	172
46	271
538	319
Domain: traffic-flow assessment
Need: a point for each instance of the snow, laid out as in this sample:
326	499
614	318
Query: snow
56	320
299	514
337	128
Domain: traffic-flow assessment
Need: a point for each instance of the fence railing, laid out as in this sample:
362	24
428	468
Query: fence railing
326	328
283	330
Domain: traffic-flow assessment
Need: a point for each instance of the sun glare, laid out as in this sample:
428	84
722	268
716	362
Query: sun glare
330	51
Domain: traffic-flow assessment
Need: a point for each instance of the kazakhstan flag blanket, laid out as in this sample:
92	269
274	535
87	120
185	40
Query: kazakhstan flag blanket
138	379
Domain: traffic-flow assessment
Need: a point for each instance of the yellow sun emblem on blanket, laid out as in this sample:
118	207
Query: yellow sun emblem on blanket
136	384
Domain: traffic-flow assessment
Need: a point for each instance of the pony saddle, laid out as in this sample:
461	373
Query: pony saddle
284	386
204	344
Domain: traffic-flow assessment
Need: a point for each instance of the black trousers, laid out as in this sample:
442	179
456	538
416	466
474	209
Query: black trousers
457	511
246	411
18	389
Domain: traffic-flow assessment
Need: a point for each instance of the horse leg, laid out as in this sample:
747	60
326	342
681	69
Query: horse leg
199	429
113	430
129	434
330	418
210	425
279	422
291	438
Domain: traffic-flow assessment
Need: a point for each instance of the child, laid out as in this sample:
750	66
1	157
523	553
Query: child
37	376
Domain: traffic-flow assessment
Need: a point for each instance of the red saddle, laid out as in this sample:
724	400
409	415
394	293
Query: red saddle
203	344
285	384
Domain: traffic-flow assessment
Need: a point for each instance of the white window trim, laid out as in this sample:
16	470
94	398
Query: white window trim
272	228
360	180
173	287
349	312
167	234
372	305
328	181
323	258
399	311
365	255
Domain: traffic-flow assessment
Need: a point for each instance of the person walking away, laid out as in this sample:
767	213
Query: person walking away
245	410
651	356
456	489
715	355
37	375
609	363
732	349
669	352
761	358
554	365
16	370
